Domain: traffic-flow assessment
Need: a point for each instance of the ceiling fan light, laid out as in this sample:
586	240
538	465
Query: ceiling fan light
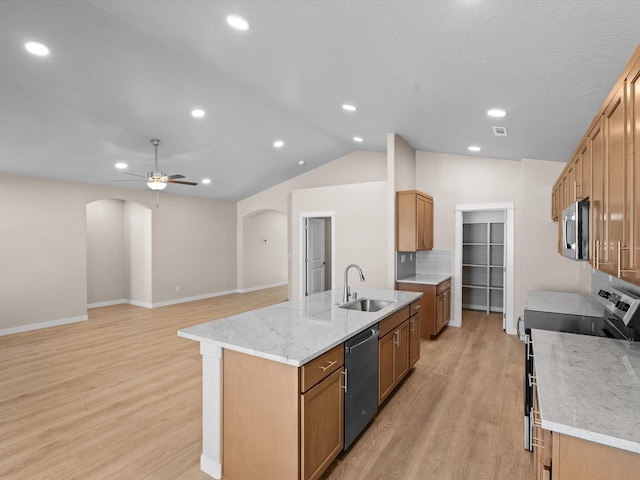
156	184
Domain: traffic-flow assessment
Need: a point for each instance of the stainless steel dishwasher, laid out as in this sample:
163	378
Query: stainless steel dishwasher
361	382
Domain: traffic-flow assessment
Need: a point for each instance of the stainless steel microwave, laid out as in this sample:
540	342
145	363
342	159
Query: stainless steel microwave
575	231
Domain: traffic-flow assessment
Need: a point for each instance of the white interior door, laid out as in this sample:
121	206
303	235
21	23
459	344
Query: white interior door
315	256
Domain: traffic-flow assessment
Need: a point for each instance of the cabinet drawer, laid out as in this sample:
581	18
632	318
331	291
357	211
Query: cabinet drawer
321	367
392	321
446	285
415	307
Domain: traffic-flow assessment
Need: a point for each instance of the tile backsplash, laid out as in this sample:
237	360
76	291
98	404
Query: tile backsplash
433	262
427	262
405	264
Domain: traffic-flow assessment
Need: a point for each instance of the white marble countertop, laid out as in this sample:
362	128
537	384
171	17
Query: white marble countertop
296	331
589	387
426	279
566	303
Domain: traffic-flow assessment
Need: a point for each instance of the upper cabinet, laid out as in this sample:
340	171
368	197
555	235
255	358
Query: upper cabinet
414	221
605	169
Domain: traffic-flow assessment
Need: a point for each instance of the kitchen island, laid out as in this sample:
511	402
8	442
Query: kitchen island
266	371
588	398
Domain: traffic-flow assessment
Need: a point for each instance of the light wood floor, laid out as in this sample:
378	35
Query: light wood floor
119	397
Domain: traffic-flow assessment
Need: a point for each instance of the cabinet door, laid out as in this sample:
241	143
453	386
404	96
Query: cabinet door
615	164
447	307
401	352
631	258
386	366
583	172
422	208
322	425
414	339
570	184
439	312
597	201
554	203
428	227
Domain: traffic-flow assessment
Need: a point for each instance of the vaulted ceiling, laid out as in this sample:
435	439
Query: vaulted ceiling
122	72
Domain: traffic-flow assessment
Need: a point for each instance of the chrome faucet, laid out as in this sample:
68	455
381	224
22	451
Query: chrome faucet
347	290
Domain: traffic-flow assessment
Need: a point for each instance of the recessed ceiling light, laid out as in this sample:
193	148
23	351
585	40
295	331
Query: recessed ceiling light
237	22
474	148
358	139
198	113
206	181
37	48
349	108
121	165
278	144
301	162
496	112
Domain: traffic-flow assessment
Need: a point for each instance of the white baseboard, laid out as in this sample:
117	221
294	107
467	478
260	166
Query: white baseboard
108	303
37	326
261	287
191	299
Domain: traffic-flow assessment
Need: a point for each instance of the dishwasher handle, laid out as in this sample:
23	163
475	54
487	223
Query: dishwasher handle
374	335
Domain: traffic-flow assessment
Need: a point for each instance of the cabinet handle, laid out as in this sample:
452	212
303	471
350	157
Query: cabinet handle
331	364
532	381
397	340
417	307
620	270
413	325
596	254
344	372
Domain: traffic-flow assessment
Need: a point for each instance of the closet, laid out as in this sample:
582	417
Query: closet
483	260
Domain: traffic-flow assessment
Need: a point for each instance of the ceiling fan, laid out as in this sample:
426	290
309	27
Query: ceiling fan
157	180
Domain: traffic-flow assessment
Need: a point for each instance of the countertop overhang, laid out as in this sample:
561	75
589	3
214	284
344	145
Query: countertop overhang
426	279
297	331
589	387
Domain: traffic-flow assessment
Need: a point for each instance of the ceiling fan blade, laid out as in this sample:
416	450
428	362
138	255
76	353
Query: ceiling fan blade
181	183
175	177
132	180
134	174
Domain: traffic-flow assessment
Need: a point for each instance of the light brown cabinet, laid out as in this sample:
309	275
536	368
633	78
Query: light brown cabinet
414	221
436	305
322	425
414	337
606	170
281	421
393	352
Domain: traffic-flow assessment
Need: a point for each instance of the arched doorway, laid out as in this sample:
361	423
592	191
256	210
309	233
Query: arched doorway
118	253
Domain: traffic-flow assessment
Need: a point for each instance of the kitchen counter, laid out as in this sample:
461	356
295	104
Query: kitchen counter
564	303
278	339
589	387
426	279
296	331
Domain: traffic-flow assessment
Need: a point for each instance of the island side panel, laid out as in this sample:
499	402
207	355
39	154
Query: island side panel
211	457
261	411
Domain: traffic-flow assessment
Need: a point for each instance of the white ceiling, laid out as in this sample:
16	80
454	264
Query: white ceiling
123	72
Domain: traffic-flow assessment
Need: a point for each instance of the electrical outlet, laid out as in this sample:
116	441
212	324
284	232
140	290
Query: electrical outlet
177	288
411	257
401	258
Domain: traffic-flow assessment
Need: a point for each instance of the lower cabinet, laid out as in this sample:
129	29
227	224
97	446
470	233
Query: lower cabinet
393	353
563	457
322	425
414	339
436	305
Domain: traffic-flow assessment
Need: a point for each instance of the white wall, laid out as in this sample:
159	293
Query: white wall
359	166
106	278
264	252
360	230
44	257
454	180
138	248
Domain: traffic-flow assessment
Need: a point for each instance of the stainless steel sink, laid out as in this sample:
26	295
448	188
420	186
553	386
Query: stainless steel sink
366	305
